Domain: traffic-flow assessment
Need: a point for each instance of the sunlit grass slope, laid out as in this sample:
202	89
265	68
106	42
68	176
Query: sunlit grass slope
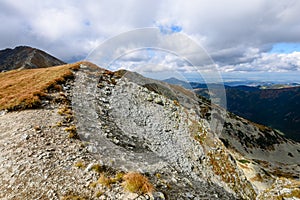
20	89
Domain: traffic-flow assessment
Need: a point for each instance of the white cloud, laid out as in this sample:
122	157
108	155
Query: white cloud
268	62
236	34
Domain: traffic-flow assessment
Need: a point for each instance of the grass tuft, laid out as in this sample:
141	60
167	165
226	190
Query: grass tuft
105	181
98	168
137	183
108	181
79	164
65	111
93	184
119	176
176	103
98	194
72	132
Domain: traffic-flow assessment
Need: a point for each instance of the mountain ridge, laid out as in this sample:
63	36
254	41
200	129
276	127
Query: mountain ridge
274	107
95	127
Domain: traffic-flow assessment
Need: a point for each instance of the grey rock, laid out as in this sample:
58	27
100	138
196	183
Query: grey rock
25	137
159	101
2	112
158	196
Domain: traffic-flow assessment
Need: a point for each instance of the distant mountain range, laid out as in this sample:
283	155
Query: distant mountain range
276	106
24	57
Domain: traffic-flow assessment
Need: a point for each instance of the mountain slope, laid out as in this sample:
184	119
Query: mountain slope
126	122
277	108
141	118
25	88
24	57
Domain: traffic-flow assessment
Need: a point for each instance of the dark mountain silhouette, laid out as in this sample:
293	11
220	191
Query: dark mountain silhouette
24	57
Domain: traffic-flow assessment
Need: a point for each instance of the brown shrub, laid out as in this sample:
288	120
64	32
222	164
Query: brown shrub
105	181
137	183
72	132
79	164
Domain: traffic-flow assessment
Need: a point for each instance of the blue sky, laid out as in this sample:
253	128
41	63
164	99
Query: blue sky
285	48
259	36
169	29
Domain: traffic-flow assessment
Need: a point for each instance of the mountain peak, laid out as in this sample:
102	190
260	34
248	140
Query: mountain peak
25	57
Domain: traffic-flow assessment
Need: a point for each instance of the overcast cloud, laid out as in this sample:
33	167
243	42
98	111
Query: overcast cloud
238	35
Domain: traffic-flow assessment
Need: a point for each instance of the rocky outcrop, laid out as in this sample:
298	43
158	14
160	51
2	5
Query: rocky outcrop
134	128
149	126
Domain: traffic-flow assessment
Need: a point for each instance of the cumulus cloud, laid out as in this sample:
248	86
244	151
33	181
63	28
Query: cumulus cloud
237	35
268	62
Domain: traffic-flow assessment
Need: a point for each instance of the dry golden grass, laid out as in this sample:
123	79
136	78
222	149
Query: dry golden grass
291	186
79	164
261	127
281	173
98	194
98	168
244	166
108	181
176	103
65	111
137	183
105	181
72	130
21	89
257	178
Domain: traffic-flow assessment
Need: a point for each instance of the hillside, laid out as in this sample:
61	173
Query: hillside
25	88
119	135
23	57
277	108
